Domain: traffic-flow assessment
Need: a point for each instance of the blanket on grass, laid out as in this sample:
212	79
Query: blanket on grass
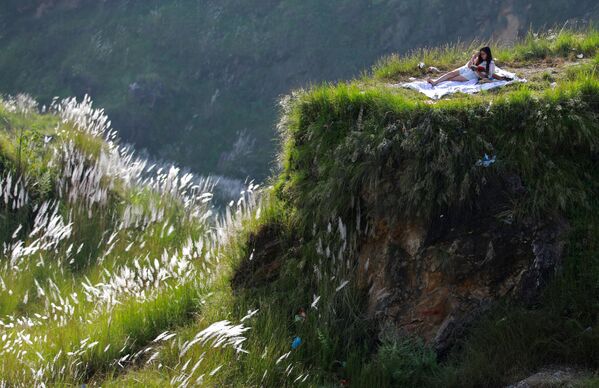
450	87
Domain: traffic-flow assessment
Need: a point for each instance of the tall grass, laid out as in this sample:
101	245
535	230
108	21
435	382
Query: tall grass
108	254
561	44
355	151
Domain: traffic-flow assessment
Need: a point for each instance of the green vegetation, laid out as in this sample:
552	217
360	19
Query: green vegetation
238	290
97	259
533	50
420	159
342	140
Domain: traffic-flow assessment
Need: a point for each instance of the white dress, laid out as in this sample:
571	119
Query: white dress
469	74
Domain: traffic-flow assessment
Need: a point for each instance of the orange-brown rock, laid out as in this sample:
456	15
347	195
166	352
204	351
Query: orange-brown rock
434	278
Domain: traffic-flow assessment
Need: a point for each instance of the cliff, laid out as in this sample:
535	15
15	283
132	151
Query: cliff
390	189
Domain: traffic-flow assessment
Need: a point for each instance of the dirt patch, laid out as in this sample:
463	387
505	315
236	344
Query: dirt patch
553	66
264	263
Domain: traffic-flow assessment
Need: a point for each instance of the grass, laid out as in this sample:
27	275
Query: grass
355	150
365	133
273	327
164	293
125	328
552	46
104	258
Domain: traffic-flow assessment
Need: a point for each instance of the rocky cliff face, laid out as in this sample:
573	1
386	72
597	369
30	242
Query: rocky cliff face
433	279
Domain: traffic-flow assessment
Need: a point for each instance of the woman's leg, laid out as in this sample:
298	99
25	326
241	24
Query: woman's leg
451	76
444	77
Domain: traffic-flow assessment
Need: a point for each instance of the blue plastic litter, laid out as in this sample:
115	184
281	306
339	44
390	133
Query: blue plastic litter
297	341
486	161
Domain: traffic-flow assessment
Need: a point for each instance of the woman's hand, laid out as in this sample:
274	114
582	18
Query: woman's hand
473	59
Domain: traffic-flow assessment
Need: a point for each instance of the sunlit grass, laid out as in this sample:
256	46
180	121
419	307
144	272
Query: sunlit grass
118	273
563	44
419	159
108	254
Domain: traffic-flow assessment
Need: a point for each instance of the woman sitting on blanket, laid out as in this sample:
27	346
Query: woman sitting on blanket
480	67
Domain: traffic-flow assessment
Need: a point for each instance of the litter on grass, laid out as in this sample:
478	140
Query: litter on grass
486	161
300	316
297	341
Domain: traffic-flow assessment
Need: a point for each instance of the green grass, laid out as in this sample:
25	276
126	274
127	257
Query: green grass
125	328
365	133
353	152
49	288
342	141
329	336
533	49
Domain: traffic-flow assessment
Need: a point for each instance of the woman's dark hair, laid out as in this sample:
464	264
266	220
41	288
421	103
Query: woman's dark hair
487	51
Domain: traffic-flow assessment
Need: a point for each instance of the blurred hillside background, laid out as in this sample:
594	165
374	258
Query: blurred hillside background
197	82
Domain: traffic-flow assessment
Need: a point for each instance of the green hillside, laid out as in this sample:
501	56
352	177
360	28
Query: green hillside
114	273
101	251
197	82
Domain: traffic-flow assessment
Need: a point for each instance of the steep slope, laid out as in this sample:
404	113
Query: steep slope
434	238
197	82
101	252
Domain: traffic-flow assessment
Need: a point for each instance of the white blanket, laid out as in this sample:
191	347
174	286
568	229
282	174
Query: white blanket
450	87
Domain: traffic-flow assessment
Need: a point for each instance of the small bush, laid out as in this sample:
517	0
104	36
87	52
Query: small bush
408	361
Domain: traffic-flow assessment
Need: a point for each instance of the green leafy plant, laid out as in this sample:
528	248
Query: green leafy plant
409	362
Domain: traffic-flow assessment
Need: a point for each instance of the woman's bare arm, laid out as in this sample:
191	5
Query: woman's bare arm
472	60
491	70
487	77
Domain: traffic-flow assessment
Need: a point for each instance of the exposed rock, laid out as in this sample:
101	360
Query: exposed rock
434	278
552	377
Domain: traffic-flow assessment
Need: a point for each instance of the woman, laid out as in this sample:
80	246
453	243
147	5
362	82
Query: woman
480	67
